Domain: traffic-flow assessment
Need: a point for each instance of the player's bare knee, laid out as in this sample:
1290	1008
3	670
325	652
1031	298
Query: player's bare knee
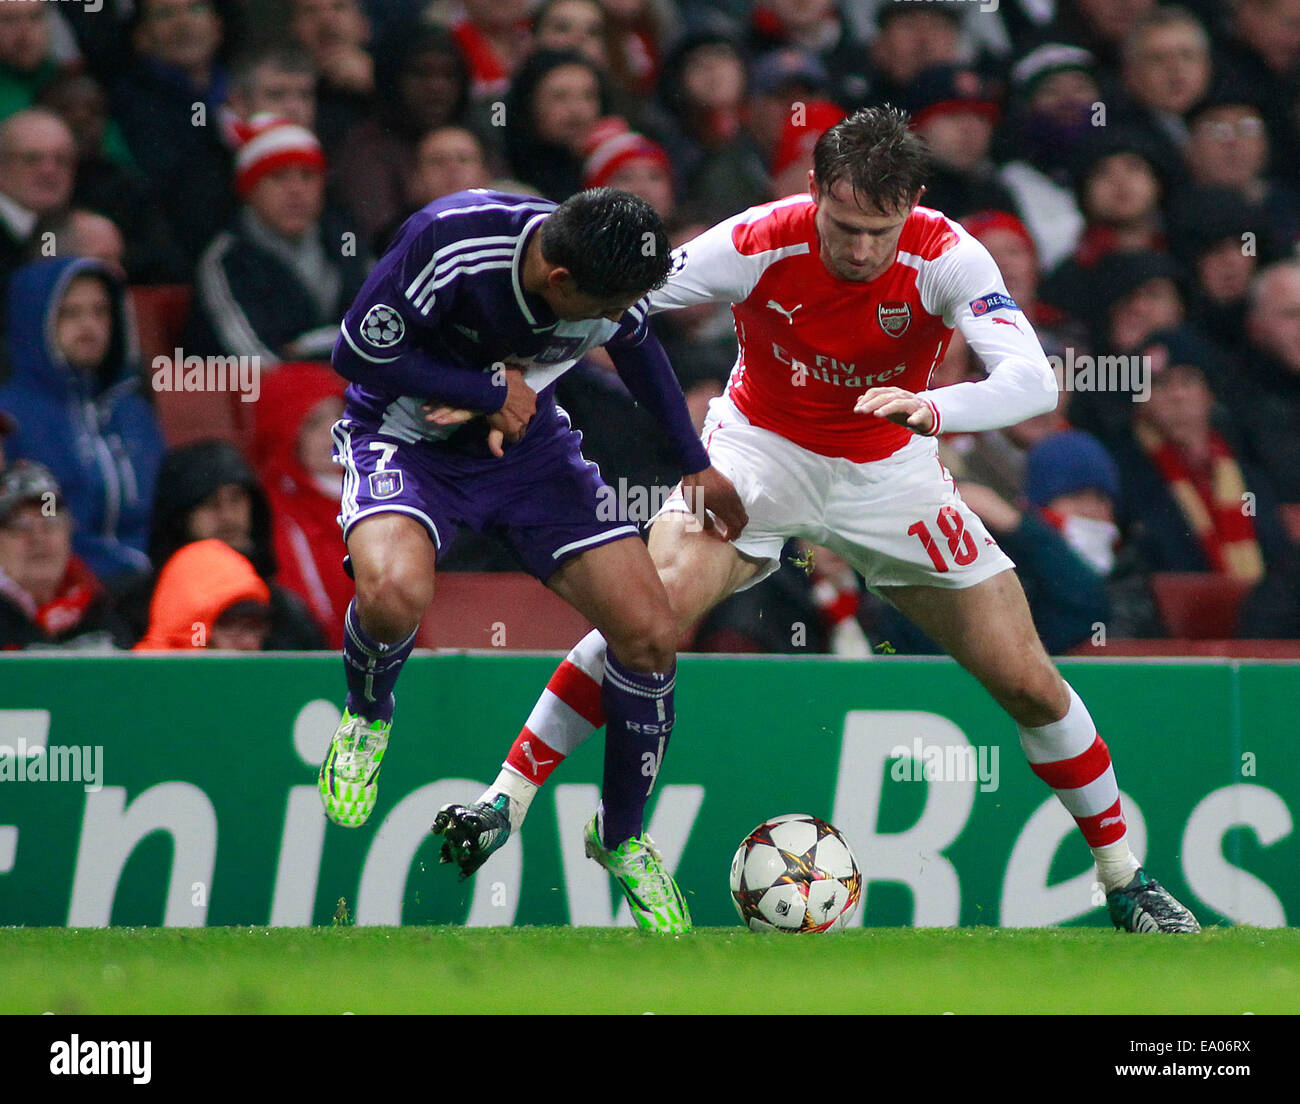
1033	696
391	599
649	645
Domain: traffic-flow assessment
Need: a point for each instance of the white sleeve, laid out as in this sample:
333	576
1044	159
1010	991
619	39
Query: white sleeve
710	269
966	288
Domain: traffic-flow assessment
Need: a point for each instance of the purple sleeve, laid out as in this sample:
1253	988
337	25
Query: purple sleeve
645	370
384	341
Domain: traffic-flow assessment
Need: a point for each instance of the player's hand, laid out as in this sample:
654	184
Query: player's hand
348	67
509	423
447	415
710	491
900	407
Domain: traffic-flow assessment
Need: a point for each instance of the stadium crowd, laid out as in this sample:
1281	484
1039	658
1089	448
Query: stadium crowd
184	180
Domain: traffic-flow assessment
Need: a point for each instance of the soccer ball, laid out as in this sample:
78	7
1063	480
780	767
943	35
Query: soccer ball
795	873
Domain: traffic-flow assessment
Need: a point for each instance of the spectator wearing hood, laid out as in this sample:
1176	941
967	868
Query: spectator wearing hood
48	597
76	390
1190	498
954	109
208	596
1221	243
1134	296
293	453
1055	96
703	103
207	489
276	285
1121	184
555	100
421	84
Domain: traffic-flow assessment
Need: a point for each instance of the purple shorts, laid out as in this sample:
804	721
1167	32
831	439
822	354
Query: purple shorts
542	498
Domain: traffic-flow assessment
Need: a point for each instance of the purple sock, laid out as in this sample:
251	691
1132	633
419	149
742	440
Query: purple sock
638	720
372	669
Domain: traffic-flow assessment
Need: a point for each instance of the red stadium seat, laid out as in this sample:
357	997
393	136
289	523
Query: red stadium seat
1198	605
500	610
161	314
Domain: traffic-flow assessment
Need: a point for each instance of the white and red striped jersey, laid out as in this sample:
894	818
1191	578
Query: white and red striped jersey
811	344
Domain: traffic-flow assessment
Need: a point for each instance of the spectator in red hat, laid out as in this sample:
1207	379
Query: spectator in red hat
954	109
620	158
292	453
792	161
275	285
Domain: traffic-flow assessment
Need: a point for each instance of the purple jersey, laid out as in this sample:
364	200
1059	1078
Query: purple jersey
441	312
445	308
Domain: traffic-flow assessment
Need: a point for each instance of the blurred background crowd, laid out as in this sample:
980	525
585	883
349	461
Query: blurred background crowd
212	178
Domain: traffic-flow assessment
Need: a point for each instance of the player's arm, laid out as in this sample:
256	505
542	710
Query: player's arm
386	334
644	368
966	288
710	268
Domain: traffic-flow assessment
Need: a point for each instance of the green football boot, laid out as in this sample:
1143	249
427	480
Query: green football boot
1144	905
657	904
471	833
347	783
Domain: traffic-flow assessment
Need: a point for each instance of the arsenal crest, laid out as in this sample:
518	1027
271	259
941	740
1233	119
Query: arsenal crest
894	318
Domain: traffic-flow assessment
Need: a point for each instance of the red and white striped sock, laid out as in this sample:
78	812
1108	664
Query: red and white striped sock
566	715
1071	757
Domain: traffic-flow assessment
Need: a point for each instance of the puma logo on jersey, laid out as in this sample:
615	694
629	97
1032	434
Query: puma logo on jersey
1105	821
471	334
527	748
1007	322
789	314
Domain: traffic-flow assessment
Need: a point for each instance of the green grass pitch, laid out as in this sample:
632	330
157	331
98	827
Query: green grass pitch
590	970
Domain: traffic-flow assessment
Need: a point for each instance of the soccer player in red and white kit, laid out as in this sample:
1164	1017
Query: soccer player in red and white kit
845	300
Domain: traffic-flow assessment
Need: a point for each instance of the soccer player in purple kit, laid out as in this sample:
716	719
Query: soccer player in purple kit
452	349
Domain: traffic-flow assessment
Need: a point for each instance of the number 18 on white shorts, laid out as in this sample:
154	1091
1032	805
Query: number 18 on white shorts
898	521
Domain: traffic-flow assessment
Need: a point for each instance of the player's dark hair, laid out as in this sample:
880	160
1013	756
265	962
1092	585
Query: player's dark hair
612	242
877	152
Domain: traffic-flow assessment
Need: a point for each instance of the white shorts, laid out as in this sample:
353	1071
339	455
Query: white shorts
898	521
